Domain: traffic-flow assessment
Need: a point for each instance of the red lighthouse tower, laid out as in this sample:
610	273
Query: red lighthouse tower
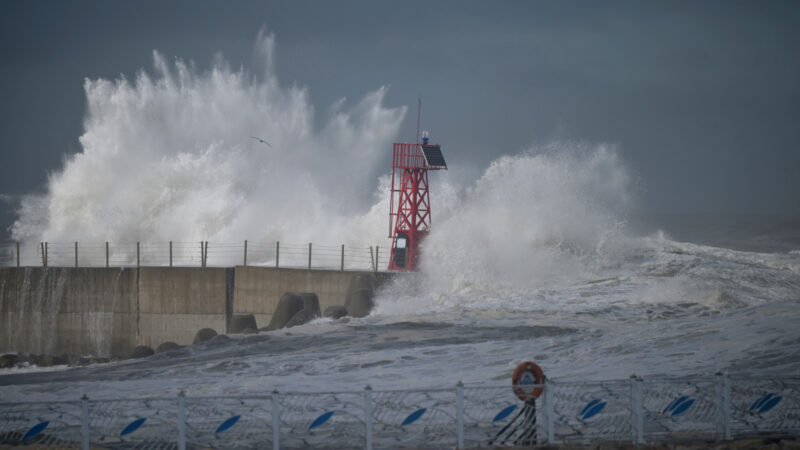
410	210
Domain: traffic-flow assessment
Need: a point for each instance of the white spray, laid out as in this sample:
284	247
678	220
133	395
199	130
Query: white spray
170	156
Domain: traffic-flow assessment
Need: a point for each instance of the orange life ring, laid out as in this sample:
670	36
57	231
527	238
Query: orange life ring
527	373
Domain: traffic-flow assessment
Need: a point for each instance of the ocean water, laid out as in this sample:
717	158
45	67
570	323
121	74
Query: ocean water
545	257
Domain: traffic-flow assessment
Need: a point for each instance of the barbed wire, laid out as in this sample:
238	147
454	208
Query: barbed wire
192	254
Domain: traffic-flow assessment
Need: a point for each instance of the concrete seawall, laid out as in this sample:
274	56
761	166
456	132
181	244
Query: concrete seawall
77	311
258	289
108	311
176	302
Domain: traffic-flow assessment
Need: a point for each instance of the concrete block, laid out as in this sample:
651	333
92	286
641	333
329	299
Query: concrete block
240	322
258	289
178	328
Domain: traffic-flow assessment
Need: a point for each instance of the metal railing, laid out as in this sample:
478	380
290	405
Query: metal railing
635	410
190	254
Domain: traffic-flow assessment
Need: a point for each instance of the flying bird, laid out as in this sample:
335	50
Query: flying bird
262	141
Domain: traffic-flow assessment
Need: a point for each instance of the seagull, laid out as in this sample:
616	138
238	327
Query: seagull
262	141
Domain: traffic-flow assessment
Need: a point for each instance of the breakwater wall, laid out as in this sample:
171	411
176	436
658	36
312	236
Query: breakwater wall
108	311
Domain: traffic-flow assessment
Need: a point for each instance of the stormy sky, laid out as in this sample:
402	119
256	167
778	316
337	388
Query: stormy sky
701	98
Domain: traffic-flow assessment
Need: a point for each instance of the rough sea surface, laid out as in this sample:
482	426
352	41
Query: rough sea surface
661	307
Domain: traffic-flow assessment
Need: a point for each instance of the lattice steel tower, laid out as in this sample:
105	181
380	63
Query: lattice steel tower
410	205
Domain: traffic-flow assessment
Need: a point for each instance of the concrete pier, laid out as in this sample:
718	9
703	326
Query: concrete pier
108	311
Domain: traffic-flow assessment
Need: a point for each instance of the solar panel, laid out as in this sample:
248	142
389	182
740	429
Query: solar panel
433	156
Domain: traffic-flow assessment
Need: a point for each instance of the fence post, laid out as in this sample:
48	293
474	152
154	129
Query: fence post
460	413
637	408
170	253
342	268
244	262
181	420
17	253
726	406
377	257
76	253
106	253
277	253
85	422
309	255
137	255
718	409
205	255
549	411
202	263
276	420
368	415
371	257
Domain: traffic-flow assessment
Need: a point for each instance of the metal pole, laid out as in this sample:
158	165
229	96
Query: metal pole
460	413
277	253
46	256
549	412
170	253
106	253
371	257
17	253
76	253
244	263
137	255
633	406
202	263
718	401
726	406
85	422
637	408
276	420
342	267
377	257
368	415
181	420
419	115
309	255
205	255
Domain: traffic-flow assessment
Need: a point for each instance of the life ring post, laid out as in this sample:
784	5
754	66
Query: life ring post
527	381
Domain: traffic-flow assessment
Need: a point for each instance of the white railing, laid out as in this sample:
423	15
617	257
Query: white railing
635	410
191	254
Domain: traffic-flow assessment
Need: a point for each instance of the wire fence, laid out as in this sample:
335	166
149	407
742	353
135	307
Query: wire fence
190	254
635	410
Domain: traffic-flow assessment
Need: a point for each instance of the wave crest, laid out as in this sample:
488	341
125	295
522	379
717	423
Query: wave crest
170	155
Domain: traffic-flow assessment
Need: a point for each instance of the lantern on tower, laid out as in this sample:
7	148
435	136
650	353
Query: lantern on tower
410	205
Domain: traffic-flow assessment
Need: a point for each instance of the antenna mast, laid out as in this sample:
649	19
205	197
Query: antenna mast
419	114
